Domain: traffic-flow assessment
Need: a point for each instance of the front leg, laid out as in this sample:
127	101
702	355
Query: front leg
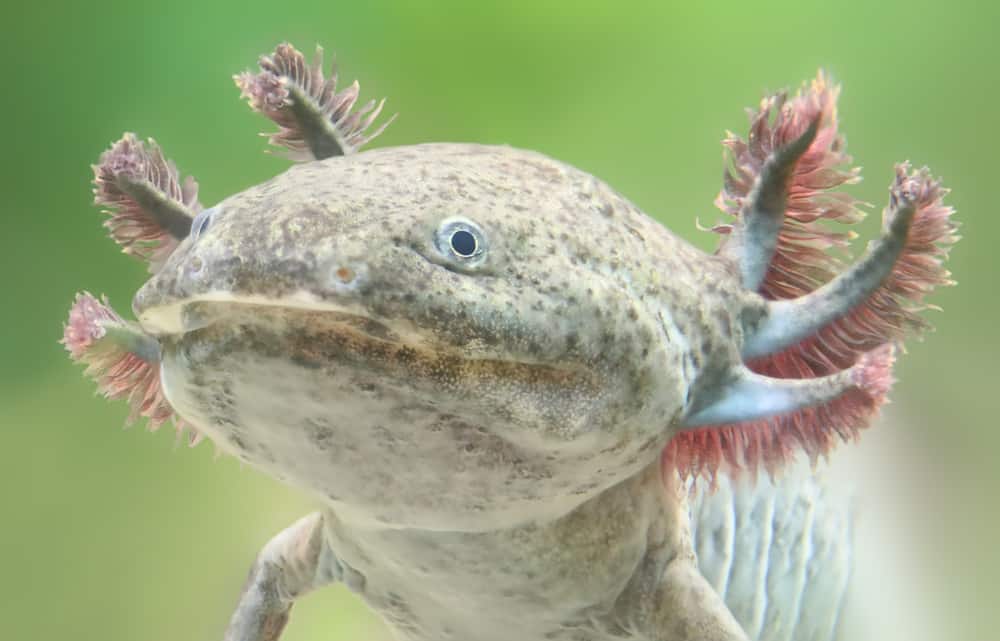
672	602
667	597
293	563
687	608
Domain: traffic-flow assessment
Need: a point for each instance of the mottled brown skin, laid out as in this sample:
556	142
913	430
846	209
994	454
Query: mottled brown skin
485	434
555	350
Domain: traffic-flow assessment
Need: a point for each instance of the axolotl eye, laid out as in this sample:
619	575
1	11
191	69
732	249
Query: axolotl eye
461	241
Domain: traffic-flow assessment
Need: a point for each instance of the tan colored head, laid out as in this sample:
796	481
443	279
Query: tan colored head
373	323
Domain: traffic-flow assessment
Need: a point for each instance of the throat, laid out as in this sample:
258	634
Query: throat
546	586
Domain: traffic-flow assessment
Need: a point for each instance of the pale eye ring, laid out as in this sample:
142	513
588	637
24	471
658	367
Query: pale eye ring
461	241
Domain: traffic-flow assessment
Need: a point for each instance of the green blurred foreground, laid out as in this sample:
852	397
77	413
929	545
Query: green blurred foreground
123	536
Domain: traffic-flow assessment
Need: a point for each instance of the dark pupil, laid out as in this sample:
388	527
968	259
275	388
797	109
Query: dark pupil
463	242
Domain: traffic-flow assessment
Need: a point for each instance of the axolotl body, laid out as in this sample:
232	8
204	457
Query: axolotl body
508	387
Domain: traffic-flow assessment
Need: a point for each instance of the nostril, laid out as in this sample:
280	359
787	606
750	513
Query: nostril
344	274
344	277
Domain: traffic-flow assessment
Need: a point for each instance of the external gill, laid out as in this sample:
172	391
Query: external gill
752	243
817	345
121	359
150	209
748	396
315	120
914	202
756	421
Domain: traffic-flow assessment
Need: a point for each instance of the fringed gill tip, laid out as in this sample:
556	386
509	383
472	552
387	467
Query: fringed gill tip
149	206
120	359
315	120
87	323
873	373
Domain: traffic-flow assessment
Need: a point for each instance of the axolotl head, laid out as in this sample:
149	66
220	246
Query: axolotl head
470	337
434	329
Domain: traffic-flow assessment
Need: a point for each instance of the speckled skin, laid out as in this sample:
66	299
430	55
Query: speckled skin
485	434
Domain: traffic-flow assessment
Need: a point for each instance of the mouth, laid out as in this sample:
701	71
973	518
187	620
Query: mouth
190	315
329	340
354	355
331	337
312	323
199	315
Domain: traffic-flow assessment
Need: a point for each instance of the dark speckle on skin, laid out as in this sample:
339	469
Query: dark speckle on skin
321	433
338	347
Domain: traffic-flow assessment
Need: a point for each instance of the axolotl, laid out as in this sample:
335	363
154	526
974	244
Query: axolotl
527	410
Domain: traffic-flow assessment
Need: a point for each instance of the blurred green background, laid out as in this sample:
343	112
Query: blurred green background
111	535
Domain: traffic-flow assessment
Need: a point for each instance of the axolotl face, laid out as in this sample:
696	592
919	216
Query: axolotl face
451	336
